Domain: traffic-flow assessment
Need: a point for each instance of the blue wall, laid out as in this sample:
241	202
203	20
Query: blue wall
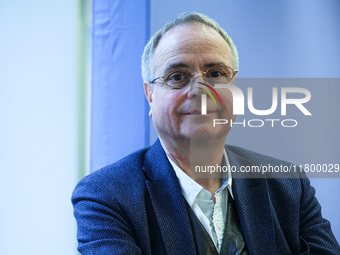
119	123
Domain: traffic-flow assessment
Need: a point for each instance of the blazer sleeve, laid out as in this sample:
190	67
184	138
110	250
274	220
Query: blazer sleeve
315	231
103	228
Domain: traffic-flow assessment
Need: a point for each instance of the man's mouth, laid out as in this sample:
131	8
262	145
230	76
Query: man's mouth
197	113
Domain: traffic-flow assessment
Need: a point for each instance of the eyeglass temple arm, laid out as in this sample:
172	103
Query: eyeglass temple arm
156	79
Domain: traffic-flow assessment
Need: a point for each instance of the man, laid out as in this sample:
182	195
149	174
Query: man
153	201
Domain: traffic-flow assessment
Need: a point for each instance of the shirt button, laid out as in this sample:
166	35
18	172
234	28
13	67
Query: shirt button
202	194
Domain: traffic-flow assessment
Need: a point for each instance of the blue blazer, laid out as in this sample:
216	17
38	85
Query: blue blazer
135	206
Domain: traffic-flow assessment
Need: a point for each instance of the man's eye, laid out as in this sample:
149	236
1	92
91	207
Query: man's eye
177	77
216	74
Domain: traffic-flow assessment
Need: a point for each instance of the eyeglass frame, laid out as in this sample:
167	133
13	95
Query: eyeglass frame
193	75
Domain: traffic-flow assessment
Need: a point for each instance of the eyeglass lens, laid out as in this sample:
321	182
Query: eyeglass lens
179	78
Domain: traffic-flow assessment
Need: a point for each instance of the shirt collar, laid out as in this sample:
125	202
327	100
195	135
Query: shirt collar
190	188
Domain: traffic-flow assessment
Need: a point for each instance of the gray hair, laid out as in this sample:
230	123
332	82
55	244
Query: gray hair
184	18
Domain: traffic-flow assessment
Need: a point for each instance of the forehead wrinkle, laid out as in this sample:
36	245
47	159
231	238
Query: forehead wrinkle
186	56
196	43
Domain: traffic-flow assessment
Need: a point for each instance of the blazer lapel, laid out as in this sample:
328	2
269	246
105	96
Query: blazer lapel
254	209
168	202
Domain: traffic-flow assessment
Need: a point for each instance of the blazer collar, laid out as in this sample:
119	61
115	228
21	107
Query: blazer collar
168	202
254	208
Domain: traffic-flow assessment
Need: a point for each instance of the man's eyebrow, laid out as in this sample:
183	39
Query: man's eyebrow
183	65
211	64
176	65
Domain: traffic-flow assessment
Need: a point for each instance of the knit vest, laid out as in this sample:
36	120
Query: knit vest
233	241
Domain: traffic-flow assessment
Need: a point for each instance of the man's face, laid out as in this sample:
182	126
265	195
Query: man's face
176	113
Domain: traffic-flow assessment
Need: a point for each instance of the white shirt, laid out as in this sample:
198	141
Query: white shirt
212	216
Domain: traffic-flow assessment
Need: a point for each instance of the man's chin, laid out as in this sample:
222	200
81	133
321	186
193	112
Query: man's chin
207	132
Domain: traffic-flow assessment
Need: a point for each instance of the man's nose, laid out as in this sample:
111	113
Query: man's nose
194	90
198	74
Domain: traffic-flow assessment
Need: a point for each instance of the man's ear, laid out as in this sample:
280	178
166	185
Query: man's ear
148	90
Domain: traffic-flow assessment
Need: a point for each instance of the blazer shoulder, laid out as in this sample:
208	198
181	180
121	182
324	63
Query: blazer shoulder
263	166
254	157
127	172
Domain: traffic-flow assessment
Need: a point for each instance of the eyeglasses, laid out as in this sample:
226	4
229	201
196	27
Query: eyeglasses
178	78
